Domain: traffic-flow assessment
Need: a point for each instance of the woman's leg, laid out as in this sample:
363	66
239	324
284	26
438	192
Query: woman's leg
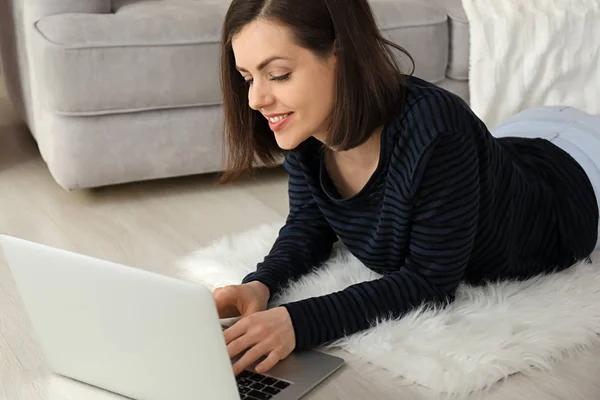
571	129
541	122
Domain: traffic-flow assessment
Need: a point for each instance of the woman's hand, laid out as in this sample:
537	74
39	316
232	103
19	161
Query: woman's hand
267	333
235	300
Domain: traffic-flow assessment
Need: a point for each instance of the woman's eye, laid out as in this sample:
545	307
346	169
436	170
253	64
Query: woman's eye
281	78
285	77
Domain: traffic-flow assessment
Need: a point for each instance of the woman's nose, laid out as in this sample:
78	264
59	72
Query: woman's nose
259	96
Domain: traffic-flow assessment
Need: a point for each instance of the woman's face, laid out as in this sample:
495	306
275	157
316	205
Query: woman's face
288	84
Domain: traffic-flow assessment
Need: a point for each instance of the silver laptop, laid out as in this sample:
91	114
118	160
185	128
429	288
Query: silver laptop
140	334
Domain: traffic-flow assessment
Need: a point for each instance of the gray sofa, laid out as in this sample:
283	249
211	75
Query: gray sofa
116	91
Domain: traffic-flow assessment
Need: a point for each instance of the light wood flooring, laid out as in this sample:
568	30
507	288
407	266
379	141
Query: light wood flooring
150	225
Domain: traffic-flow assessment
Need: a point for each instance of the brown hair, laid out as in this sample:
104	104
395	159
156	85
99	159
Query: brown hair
369	83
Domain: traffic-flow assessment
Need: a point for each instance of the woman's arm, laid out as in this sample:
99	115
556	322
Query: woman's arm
443	226
303	243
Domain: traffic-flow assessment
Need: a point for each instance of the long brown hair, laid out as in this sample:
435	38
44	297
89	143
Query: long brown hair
369	83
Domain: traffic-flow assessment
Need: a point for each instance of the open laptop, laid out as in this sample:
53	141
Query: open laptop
140	334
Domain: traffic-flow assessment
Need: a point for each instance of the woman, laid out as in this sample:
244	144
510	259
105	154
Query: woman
398	169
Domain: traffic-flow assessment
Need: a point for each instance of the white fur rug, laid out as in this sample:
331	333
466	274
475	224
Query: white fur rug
487	334
526	54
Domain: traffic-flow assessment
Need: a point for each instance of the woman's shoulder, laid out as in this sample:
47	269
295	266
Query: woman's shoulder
427	101
429	111
430	117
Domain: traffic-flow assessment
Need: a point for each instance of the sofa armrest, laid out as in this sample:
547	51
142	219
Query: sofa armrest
36	9
17	18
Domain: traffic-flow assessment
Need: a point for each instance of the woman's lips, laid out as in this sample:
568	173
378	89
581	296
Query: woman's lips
276	126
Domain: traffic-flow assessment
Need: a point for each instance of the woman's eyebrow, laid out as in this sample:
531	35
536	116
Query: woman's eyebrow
263	64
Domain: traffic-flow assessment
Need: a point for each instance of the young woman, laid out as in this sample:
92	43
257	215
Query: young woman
398	169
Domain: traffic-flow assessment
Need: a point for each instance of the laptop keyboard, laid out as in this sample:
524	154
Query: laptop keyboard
254	386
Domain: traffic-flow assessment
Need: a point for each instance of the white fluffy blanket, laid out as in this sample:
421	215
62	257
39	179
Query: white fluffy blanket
487	334
532	53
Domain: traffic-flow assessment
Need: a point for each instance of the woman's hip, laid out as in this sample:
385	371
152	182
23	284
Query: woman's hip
571	129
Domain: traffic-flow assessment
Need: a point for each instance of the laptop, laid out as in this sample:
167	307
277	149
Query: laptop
140	334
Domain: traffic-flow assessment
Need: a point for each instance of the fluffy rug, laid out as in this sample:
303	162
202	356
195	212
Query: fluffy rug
487	334
526	54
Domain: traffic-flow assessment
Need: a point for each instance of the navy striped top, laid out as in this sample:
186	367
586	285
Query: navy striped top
448	203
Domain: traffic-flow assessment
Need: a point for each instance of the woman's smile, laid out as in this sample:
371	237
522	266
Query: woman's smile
277	123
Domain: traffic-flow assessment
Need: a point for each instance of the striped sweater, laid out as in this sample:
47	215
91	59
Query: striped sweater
448	203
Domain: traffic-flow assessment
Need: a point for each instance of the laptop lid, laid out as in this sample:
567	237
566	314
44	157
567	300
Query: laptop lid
125	330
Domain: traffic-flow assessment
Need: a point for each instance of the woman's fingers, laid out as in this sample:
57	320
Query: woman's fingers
251	356
243	334
272	359
239	345
235	331
266	333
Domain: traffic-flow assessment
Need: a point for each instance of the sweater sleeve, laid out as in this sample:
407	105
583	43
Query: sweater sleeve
445	192
305	240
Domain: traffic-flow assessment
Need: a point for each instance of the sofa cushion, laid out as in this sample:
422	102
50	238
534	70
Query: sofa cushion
151	55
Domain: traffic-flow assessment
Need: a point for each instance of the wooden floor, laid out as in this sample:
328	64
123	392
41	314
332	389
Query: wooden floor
150	225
